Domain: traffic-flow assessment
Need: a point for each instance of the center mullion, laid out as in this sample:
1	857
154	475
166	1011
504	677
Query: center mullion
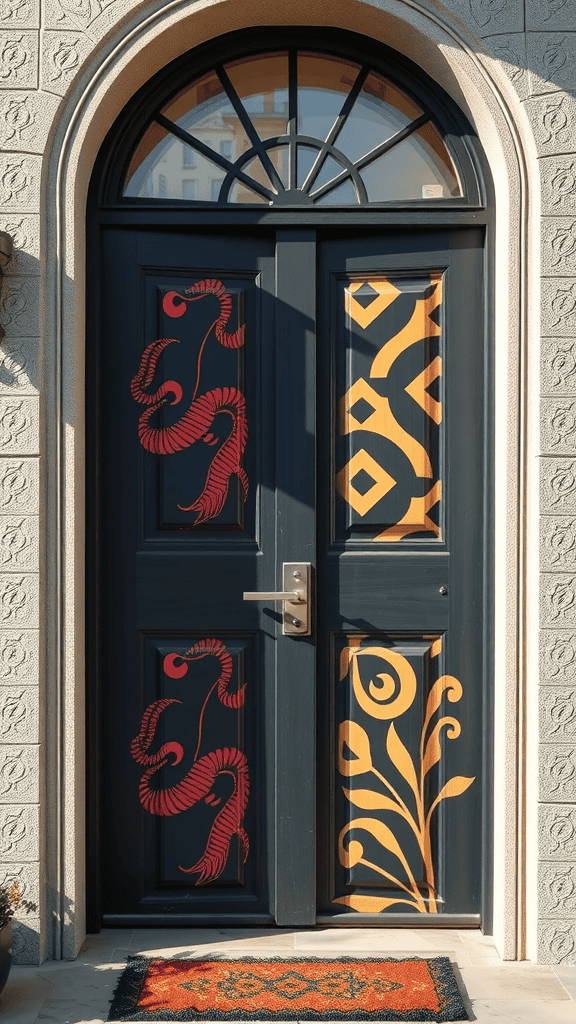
292	115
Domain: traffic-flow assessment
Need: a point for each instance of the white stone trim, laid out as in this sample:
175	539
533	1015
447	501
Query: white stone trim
151	35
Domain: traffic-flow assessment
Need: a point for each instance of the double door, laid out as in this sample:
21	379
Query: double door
271	404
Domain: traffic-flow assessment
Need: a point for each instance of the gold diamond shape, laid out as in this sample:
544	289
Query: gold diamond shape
365	315
383	482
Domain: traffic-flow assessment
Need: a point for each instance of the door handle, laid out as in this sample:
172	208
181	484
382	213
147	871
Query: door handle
296	578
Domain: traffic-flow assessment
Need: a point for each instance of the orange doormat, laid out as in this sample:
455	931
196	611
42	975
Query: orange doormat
288	989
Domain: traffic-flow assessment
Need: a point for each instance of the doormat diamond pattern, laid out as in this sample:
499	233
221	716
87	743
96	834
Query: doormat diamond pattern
287	989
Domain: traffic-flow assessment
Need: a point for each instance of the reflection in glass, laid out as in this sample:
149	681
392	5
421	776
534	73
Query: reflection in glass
344	194
323	84
417	168
165	166
262	85
157	170
380	111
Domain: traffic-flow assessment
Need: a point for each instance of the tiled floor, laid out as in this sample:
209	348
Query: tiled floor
79	992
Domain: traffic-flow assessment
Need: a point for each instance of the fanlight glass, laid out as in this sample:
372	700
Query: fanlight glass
292	128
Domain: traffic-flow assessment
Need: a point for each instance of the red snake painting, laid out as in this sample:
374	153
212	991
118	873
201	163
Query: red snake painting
195	423
197	784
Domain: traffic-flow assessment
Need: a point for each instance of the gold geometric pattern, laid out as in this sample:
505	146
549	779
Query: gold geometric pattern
419	326
417	390
383	482
382	421
365	316
416	519
380	294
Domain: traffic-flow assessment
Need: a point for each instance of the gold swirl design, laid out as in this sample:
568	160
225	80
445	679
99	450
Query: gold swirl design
354	741
374	705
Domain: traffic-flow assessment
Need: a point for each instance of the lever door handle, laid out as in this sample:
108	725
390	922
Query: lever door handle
296	601
294	596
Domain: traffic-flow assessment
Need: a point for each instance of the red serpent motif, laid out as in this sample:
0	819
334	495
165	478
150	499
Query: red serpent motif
195	423
197	784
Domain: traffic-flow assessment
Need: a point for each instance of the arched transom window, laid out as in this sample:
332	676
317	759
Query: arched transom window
291	128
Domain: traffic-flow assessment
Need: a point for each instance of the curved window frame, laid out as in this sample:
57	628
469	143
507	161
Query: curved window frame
145	108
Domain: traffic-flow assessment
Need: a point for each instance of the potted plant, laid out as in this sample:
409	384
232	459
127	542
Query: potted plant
10	901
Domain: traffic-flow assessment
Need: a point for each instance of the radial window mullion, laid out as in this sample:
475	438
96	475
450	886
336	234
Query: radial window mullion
249	128
372	155
292	115
211	154
336	128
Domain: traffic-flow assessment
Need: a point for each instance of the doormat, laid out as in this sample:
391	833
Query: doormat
281	989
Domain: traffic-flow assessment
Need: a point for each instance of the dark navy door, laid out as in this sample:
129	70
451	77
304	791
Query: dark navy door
273	397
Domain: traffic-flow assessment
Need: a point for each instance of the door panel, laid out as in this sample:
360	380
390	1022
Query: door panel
402	551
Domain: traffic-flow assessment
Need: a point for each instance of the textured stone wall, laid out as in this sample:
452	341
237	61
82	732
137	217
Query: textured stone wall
43	44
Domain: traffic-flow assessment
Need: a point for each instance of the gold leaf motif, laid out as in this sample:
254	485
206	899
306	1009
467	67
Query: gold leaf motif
449	683
349	856
401	759
353	736
433	750
454	787
371	904
368	800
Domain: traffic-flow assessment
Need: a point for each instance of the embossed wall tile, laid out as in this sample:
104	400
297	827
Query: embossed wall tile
19	14
19	426
70	14
19	594
26	119
62	56
19	485
19	836
557	765
558	306
19	774
19	657
558	366
558	245
19	537
557	831
25	876
557	942
20	183
20	307
557	485
18	59
26	941
19	370
558	426
558	599
557	890
25	231
489	17
550	14
553	120
510	50
557	543
558	713
552	61
557	656
558	177
19	714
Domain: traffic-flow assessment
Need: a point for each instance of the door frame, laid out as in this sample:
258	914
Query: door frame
103	211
